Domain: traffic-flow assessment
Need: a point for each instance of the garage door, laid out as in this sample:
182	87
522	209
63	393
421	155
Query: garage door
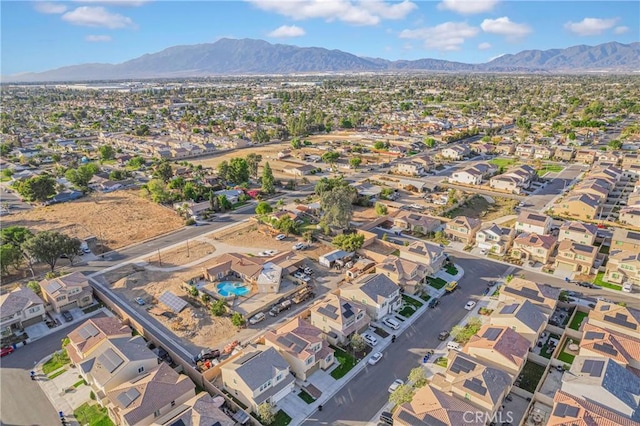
564	267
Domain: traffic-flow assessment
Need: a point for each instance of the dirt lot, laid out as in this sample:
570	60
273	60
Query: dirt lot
117	219
182	255
194	323
479	207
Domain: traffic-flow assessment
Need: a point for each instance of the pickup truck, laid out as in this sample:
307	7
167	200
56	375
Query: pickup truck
451	286
280	307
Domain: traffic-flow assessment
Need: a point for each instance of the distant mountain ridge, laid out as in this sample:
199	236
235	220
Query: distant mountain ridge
248	56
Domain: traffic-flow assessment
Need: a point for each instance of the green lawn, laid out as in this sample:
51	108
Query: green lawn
577	320
411	301
282	419
451	270
56	374
407	311
599	281
442	361
57	361
550	168
502	162
92	415
436	283
346	361
306	397
425	297
531	375
566	357
79	383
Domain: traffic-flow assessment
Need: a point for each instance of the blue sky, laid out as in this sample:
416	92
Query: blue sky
41	35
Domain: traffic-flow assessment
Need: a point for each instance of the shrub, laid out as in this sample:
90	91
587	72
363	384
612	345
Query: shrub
237	319
92	395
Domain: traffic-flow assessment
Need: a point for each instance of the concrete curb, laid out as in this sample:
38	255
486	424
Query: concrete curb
58	401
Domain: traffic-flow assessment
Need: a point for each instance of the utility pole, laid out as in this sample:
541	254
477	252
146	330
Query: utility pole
159	258
188	253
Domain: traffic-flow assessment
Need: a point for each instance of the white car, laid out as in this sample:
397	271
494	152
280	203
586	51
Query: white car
370	339
375	358
140	301
391	323
470	304
627	287
267	253
257	318
280	237
395	385
298	246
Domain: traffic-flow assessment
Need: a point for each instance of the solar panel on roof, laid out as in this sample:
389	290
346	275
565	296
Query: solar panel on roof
537	217
475	385
462	365
606	348
172	301
54	286
88	331
633	236
509	309
593	335
110	360
564	410
492	333
592	367
621	320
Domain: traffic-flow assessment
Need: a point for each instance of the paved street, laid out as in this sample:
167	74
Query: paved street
556	185
363	397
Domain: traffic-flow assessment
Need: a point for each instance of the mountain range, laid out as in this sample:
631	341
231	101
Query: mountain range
248	56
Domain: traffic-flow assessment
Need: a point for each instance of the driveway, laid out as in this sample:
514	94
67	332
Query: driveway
366	393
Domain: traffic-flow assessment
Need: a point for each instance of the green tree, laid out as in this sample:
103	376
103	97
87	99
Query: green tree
253	161
237	319
330	157
615	144
16	236
238	170
268	181
402	395
355	162
223	171
35	287
263	208
47	247
37	188
287	225
219	308
163	171
157	190
381	209
136	162
71	247
430	142
357	343
265	413
349	242
418	377
296	144
337	206
5	149
107	152
9	255
224	203
81	176
117	174
190	191
379	145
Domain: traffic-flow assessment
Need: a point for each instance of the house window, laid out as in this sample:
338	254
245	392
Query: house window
278	377
60	298
156	414
141	370
310	360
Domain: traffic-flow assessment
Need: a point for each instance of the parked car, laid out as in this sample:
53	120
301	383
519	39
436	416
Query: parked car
443	335
395	385
308	271
67	316
627	287
470	304
267	253
386	417
280	237
140	301
209	354
375	358
433	302
391	323
299	246
260	316
280	307
453	346
370	339
6	351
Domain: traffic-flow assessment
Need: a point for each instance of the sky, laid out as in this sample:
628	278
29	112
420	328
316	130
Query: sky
43	35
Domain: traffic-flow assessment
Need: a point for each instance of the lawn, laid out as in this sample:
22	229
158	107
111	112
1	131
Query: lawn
58	360
407	311
425	297
92	415
411	301
530	376
451	270
577	320
442	361
549	168
436	283
306	397
502	162
346	361
282	419
544	350
566	357
600	282
79	383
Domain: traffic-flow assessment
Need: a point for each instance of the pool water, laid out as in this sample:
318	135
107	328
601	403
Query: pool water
232	288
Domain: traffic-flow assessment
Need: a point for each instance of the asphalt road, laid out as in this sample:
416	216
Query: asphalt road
555	186
12	201
366	393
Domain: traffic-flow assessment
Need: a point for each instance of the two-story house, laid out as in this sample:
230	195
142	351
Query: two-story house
377	292
257	376
463	228
623	266
570	409
575	258
410	168
564	153
467	176
525	151
579	206
339	318
579	232
630	215
67	292
201	410
537	223
20	308
86	338
585	156
543	296
429	255
523	317
495	239
624	239
416	222
409	275
621	319
499	347
543	152
622	348
456	152
534	247
302	346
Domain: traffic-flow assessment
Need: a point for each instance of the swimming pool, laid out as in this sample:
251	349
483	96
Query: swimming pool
232	288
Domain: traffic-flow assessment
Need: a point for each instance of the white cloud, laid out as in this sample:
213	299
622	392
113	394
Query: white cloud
484	46
127	3
468	7
504	26
98	38
621	29
359	12
445	37
97	16
287	31
50	8
590	26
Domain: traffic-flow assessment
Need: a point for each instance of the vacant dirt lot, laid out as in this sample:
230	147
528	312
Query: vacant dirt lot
117	219
186	253
479	207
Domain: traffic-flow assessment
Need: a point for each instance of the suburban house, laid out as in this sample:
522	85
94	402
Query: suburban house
430	406
581	233
523	317
525	151
367	190
609	173
563	153
543	296
85	339
499	347
585	156
630	215
339	318
471	381
302	346
257	376
622	348
495	239
299	169
534	247
143	399
429	255
377	292
505	148
534	222
609	157
409	275
623	266
579	206
415	222
201	410
456	152
617	388
621	319
339	257
506	183
411	168
543	152
571	410
592	187
574	257
232	195
67	292
20	308
467	176
463	228
623	239
362	266
115	361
